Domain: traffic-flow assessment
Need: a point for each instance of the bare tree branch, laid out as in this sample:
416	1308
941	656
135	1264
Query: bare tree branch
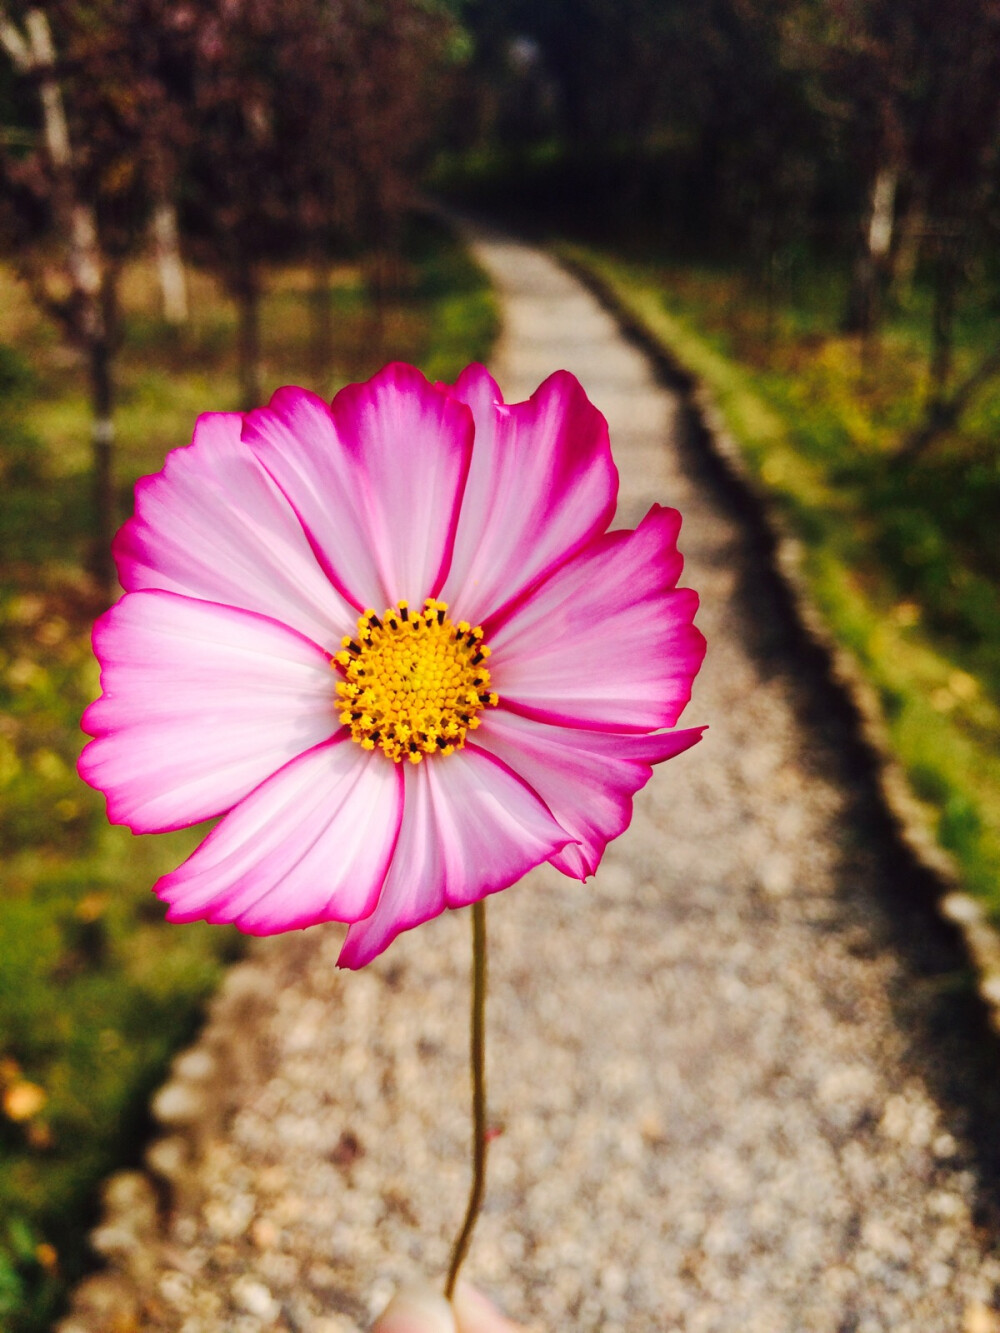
943	415
14	44
43	60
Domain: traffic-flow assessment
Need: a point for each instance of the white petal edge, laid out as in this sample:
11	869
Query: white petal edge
470	827
201	702
310	844
213	525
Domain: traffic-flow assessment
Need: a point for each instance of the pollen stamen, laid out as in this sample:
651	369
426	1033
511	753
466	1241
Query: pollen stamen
413	683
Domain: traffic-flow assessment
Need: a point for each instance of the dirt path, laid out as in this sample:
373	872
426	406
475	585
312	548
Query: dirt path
709	1061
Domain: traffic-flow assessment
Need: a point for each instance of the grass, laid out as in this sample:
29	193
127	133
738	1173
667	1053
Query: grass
96	992
904	566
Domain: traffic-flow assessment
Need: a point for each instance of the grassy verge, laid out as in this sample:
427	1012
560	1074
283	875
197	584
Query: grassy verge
902	565
96	993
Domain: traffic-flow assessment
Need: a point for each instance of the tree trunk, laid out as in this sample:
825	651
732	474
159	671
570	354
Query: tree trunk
376	289
943	323
173	285
93	285
883	212
248	342
103	435
103	323
911	239
872	264
945	413
321	310
74	218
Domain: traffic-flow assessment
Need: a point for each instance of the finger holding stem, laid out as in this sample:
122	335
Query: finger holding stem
417	1309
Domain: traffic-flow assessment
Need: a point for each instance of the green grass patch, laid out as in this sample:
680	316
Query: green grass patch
903	565
96	992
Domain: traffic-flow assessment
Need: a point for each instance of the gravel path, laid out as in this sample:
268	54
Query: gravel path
717	1111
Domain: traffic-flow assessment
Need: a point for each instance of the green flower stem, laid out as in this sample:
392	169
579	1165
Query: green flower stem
478	1052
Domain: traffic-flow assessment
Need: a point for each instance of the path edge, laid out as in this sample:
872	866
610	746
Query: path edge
782	552
136	1204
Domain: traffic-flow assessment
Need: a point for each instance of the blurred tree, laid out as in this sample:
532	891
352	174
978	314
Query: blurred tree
915	89
311	118
231	95
321	183
864	64
911	89
395	65
681	111
154	31
958	149
861	127
71	197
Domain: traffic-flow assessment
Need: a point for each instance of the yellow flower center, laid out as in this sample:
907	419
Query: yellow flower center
413	684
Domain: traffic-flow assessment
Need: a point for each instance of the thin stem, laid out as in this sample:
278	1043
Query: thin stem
478	1052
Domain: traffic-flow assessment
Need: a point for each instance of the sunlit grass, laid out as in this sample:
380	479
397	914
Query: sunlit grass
96	993
903	568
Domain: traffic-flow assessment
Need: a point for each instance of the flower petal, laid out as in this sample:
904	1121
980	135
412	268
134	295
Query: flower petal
376	480
470	827
541	485
310	844
201	703
586	778
213	525
607	642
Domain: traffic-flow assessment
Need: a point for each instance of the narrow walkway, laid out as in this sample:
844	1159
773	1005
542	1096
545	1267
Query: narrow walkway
716	1117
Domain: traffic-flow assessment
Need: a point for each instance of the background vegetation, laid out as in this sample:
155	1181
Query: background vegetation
901	561
179	237
199	201
96	992
801	200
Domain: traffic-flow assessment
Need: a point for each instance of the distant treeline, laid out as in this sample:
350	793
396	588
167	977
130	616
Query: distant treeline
232	131
866	131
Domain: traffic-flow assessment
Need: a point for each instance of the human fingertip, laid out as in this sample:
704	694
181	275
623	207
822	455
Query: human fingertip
416	1310
475	1314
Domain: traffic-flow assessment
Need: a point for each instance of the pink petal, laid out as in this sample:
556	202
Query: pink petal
586	778
470	827
310	844
607	642
376	480
541	485
214	525
201	703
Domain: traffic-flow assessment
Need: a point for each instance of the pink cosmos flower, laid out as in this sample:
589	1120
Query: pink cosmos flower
392	643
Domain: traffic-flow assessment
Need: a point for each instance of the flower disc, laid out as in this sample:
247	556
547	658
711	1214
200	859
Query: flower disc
413	684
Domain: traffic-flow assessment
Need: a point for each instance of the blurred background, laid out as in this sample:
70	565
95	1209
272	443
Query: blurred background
200	201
